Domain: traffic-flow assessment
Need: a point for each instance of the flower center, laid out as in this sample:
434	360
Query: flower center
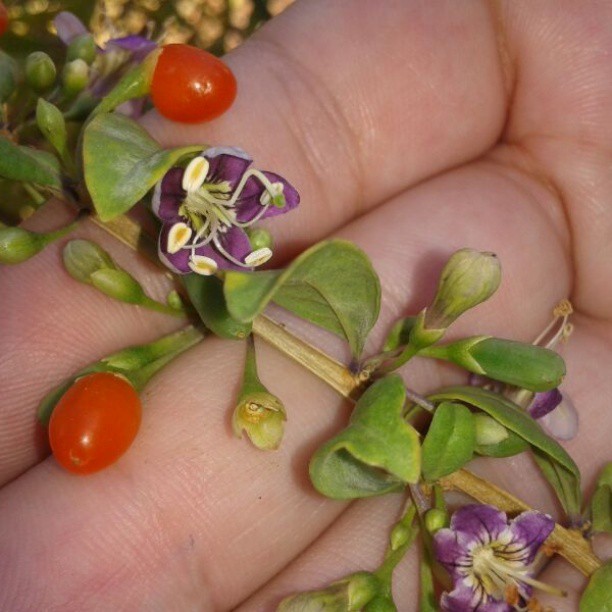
498	568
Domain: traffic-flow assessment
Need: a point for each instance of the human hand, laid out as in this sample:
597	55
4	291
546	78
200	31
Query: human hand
409	128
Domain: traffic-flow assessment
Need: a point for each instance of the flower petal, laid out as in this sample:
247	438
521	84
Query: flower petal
479	521
463	599
236	243
249	204
168	195
226	164
138	46
68	26
562	423
530	529
544	402
452	552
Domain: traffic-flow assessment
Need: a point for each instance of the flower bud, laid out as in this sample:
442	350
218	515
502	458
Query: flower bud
82	258
435	519
488	430
75	76
40	71
17	244
351	594
82	47
259	238
119	285
468	278
523	365
400	534
174	300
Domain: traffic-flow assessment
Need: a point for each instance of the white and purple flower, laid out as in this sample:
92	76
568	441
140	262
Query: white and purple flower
490	559
206	207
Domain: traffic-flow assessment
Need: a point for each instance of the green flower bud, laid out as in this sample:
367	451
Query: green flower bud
488	430
259	238
468	278
119	285
83	258
75	76
17	245
400	534
523	365
435	519
40	71
347	595
381	603
8	72
82	47
174	300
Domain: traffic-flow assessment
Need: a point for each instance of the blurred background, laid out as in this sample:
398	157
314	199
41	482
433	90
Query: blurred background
216	25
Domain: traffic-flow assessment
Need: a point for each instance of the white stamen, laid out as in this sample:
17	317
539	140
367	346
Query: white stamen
178	237
226	254
203	265
258	257
195	174
272	191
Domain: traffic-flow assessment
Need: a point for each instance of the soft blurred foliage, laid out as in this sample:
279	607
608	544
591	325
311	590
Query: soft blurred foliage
217	25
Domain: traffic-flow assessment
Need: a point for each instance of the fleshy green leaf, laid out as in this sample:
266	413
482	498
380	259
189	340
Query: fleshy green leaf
597	597
601	502
545	448
332	284
122	162
206	295
377	453
450	440
29	165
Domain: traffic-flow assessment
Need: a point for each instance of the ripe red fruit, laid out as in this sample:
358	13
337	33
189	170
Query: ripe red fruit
190	85
4	20
94	422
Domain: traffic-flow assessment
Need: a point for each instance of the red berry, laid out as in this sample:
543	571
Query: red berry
3	19
94	422
190	85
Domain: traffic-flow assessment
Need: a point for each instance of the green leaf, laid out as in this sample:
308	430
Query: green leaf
450	441
52	125
377	453
597	597
601	502
566	482
122	162
29	165
206	295
332	284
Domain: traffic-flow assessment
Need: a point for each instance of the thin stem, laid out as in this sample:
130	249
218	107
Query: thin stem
39	198
156	306
568	543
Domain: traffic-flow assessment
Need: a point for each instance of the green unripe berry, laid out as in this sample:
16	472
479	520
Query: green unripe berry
18	245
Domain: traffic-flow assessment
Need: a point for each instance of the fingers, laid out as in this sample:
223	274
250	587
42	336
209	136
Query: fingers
350	123
186	477
560	125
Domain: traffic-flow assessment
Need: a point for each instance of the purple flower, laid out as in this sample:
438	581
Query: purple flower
490	558
556	413
206	207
